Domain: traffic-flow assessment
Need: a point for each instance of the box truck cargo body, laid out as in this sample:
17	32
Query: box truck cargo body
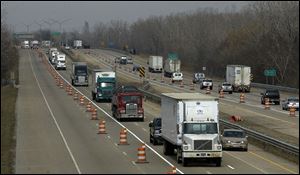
239	76
155	64
190	125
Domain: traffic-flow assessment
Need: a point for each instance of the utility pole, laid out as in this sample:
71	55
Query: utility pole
60	25
27	25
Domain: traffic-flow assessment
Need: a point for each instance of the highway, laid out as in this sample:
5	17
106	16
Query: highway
56	135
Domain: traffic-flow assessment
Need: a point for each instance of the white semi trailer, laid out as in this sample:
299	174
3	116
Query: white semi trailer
190	125
239	76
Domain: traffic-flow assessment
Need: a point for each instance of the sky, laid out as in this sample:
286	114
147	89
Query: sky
20	14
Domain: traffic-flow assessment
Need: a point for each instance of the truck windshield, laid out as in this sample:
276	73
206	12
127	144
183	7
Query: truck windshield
200	128
81	70
106	84
131	99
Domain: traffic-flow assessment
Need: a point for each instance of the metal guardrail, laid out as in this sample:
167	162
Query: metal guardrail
255	135
258	85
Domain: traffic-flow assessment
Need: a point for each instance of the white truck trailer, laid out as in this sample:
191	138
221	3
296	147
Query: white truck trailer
25	44
190	124
239	76
155	64
171	66
77	44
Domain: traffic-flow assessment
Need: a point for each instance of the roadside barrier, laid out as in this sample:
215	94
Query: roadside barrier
123	137
94	114
181	84
102	127
221	95
70	90
88	106
207	90
267	103
293	111
173	171
142	154
82	101
75	96
242	98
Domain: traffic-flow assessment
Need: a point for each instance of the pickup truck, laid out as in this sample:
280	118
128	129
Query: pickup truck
206	83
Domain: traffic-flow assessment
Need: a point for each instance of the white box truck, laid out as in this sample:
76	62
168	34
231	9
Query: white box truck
155	64
171	66
239	77
77	44
190	125
60	61
25	44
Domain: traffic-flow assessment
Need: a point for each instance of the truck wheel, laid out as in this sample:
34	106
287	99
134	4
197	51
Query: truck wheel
184	161
154	141
167	150
150	138
230	92
218	162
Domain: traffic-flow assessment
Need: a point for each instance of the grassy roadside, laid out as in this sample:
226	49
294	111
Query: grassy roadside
8	123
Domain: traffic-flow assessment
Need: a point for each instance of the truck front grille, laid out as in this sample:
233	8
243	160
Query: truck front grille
131	109
202	145
81	79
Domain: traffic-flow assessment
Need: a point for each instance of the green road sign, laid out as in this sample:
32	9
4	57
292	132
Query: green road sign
55	33
172	56
142	72
270	72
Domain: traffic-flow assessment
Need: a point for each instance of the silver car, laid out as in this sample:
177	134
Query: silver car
227	87
234	138
288	102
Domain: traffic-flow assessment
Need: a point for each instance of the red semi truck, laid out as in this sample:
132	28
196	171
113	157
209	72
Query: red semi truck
127	103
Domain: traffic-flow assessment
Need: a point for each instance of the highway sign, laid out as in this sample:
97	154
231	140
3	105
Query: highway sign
55	33
142	72
270	72
172	56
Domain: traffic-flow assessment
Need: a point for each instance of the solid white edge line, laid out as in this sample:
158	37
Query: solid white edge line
230	167
118	122
61	134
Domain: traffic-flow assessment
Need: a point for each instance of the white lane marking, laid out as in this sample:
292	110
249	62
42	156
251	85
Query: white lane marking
53	117
116	144
125	153
208	172
144	129
107	114
247	163
133	162
136	123
108	137
230	167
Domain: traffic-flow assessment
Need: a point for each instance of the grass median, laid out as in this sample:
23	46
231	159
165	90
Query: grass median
8	123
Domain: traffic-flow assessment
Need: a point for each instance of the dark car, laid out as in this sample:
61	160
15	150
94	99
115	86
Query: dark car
155	131
272	94
234	138
206	83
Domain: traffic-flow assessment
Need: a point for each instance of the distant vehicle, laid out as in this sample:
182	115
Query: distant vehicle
129	60
155	131
46	43
136	67
77	44
272	94
34	44
234	138
79	75
206	83
104	83
53	56
67	47
239	76
117	59
172	64
177	76
60	61
25	44
198	77
50	53
155	64
123	60
227	87
127	103
190	125
290	101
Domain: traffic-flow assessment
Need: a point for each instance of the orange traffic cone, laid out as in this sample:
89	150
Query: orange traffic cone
173	171
207	90
242	98
82	101
70	91
142	155
192	86
61	84
75	96
102	127
267	103
123	137
292	111
221	95
171	82
89	106
94	114
162	78
181	84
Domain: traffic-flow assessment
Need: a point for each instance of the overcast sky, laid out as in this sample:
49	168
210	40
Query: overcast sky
76	12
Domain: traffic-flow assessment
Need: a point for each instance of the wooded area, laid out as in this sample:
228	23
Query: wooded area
262	35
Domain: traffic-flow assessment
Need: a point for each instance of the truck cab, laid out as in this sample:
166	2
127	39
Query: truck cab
60	61
123	60
155	131
79	75
104	83
127	103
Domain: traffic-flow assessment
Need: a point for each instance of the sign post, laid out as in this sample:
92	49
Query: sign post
270	73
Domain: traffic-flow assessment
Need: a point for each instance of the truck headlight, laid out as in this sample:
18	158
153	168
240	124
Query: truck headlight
219	147
99	95
185	147
156	132
228	141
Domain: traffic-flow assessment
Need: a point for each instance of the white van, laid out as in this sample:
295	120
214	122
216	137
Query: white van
53	54
60	61
177	76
